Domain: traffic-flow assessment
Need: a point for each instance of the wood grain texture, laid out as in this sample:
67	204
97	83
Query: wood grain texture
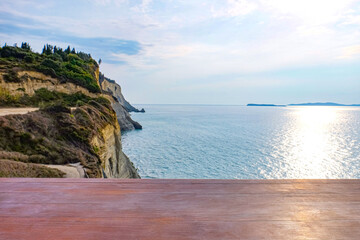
179	209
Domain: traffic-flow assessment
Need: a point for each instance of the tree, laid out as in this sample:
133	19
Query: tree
73	51
100	61
58	50
84	56
48	50
25	45
67	50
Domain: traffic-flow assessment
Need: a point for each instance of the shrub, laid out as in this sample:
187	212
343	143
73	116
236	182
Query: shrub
44	94
11	76
29	58
51	64
57	108
15	52
6	98
103	101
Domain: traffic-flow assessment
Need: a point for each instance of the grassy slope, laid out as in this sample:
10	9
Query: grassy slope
56	135
42	98
10	168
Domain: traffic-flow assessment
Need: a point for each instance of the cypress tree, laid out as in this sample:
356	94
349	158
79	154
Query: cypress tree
67	50
49	49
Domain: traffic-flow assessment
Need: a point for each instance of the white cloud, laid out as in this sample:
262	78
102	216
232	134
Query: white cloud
234	8
144	7
350	52
313	31
309	11
352	19
109	2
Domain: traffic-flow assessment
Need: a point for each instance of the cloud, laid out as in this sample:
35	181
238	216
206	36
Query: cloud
233	8
350	52
103	47
309	11
144	7
352	19
109	2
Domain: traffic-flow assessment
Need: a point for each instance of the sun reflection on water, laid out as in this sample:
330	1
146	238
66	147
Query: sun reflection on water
310	142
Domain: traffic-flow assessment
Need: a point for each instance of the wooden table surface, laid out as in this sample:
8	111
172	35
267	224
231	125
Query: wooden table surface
179	209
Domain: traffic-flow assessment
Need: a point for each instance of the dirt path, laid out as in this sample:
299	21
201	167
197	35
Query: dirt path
74	170
8	111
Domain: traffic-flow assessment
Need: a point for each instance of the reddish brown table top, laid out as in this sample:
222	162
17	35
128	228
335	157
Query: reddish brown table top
179	209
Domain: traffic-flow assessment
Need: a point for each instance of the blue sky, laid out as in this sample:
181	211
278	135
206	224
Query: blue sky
205	52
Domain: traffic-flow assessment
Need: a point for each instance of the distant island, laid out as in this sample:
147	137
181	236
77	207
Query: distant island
303	104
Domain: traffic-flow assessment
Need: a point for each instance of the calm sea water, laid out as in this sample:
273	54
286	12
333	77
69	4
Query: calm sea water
237	142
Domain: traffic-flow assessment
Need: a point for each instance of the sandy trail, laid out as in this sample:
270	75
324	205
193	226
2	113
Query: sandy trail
74	170
8	111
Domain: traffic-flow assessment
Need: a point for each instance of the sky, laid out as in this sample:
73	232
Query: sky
204	52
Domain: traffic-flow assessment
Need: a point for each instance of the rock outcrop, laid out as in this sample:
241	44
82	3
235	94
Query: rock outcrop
119	104
114	89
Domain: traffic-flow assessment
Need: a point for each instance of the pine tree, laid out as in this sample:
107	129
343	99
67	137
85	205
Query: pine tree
100	61
44	50
73	51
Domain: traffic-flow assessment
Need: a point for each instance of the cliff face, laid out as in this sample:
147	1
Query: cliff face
32	81
87	133
115	163
119	104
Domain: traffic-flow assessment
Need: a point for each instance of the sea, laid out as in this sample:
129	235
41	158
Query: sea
240	142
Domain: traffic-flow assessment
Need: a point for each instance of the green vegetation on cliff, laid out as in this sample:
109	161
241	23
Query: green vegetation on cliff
55	135
42	98
66	65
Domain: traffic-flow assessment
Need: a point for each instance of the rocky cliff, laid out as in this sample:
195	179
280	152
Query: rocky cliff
114	89
120	105
75	124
